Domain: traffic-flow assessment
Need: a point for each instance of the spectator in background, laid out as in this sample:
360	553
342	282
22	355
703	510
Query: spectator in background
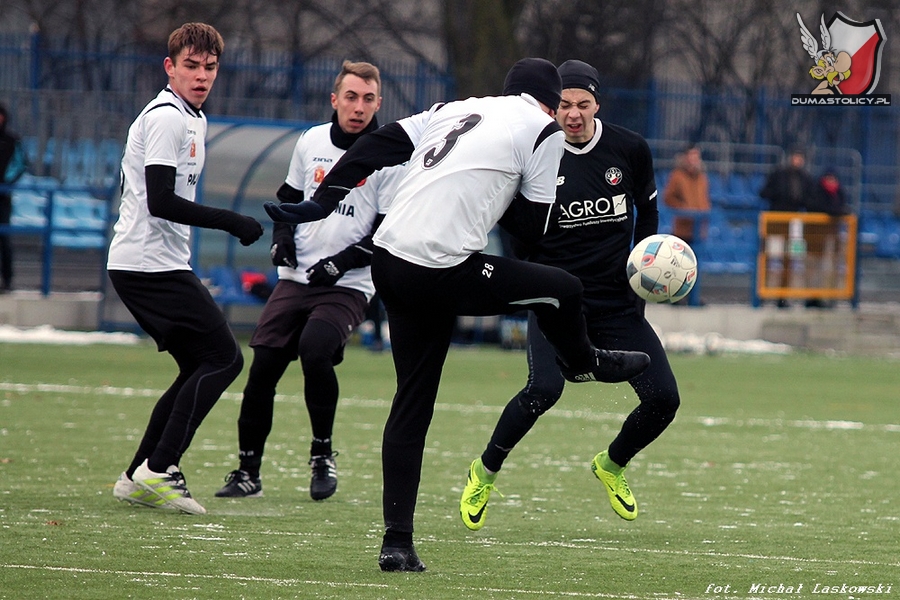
830	198
790	188
688	189
12	165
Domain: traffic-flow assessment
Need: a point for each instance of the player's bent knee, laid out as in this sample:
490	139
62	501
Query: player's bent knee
537	403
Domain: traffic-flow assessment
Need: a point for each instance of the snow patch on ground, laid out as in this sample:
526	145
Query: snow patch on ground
714	343
45	334
689	343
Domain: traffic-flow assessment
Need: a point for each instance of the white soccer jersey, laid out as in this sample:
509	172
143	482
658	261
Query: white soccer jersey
315	155
168	132
471	158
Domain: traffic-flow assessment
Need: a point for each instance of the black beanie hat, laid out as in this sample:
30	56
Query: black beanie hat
537	77
578	74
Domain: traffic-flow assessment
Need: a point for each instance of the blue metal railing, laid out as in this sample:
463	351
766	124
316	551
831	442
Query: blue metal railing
50	230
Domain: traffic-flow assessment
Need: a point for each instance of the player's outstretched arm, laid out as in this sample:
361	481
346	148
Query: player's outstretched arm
164	203
390	145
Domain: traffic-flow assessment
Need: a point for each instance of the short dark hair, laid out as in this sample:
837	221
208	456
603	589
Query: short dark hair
200	37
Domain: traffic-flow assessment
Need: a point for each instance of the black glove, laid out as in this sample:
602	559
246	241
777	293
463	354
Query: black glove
283	250
301	212
246	229
327	271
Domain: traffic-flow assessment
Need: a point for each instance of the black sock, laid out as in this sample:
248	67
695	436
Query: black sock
320	447
397	539
251	461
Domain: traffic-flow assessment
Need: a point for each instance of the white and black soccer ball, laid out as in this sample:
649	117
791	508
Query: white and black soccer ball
662	268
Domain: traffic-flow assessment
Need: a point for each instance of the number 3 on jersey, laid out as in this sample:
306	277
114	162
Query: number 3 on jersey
440	151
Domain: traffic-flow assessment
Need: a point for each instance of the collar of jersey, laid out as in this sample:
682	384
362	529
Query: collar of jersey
187	105
344	140
598	131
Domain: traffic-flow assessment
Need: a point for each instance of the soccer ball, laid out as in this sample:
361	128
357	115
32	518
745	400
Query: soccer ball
662	268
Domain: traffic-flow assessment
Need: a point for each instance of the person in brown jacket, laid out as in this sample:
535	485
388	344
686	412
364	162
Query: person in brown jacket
687	189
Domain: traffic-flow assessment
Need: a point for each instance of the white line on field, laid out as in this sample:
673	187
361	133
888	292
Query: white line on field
228	576
292	582
583	415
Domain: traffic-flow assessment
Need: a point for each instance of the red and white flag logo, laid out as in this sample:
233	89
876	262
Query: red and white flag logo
863	42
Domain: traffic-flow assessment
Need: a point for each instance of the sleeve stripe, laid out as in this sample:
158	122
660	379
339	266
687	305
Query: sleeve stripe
549	130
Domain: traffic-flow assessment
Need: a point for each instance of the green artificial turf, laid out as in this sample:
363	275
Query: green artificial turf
777	471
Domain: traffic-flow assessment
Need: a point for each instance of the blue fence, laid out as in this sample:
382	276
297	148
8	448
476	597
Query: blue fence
66	93
251	84
60	216
73	108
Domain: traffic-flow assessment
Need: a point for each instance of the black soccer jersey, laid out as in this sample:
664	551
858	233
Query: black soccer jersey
606	192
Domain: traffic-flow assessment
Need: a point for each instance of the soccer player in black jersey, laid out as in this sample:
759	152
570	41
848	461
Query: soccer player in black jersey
606	196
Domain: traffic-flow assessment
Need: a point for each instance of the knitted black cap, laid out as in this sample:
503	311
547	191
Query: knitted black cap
537	77
578	74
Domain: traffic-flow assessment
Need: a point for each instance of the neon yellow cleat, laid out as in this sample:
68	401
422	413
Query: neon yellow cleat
473	503
620	497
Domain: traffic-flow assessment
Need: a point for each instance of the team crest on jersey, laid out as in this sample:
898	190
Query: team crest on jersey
193	149
614	175
319	174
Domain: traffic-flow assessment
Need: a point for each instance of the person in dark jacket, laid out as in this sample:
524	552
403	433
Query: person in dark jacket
790	188
9	145
830	198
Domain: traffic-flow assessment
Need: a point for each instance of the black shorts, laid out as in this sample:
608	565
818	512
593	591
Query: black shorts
292	304
164	303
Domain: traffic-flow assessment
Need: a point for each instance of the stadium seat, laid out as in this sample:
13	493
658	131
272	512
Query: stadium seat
716	189
225	285
28	209
888	242
739	192
110	159
755	182
662	177
83	219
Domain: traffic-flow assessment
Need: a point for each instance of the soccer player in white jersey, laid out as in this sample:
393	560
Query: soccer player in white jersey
472	163
612	168
149	266
324	286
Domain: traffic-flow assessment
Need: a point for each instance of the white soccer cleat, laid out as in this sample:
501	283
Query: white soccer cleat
169	486
126	490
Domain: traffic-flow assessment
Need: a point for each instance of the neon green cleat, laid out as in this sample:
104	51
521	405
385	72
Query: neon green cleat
620	497
168	486
473	503
126	490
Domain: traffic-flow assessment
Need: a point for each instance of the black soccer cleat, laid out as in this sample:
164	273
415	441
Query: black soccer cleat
392	558
240	484
609	366
323	483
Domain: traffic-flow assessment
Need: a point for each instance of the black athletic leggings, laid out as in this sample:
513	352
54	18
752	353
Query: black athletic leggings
320	349
656	388
422	305
208	363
